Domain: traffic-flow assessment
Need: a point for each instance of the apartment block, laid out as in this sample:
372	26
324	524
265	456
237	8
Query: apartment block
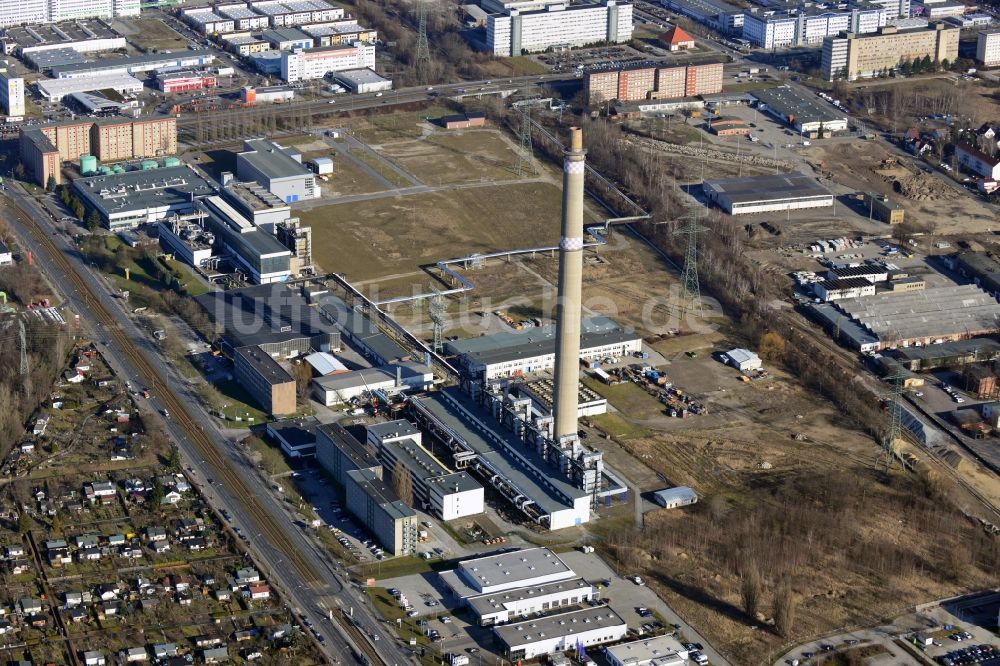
558	25
24	12
853	56
11	92
988	48
628	85
380	510
116	139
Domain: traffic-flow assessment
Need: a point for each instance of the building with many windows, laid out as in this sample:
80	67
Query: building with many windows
558	25
436	489
717	14
639	83
340	452
988	48
316	63
11	92
23	12
379	509
541	636
265	380
808	27
854	56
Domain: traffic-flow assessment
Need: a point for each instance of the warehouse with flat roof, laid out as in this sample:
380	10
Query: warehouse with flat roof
501	607
658	651
513	569
550	634
766	194
277	169
805	113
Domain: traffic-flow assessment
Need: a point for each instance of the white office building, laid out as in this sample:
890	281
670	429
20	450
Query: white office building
315	63
893	8
558	26
659	651
11	92
529	567
23	12
779	30
988	48
553	634
502	607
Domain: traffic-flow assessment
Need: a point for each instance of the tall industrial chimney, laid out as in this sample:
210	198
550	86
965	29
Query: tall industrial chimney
570	299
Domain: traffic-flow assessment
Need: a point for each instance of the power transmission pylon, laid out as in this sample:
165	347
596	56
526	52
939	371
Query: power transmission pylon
24	347
437	311
423	55
894	421
689	281
525	154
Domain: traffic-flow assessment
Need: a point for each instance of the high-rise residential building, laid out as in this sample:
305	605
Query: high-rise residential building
852	56
630	85
11	91
558	25
893	8
19	12
807	27
988	48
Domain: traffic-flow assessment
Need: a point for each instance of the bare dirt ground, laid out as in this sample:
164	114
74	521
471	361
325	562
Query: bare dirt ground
870	166
459	156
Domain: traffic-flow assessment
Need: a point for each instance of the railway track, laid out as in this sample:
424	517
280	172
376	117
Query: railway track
180	414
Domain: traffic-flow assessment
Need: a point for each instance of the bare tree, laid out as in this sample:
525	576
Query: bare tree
784	608
751	587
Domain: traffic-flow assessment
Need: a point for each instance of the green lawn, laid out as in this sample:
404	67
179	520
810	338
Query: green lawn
241	405
619	428
524	66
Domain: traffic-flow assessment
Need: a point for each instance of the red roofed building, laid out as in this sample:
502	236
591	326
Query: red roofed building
677	39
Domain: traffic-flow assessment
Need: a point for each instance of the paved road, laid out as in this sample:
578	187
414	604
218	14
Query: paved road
309	600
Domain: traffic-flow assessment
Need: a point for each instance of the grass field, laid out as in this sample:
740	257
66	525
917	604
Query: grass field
396	126
382	237
523	66
155	34
444	158
626	397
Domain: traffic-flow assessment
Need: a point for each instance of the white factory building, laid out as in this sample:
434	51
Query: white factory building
343	387
659	651
277	169
534	350
11	92
767	194
557	633
21	12
502	607
436	489
56	89
514	32
316	63
529	567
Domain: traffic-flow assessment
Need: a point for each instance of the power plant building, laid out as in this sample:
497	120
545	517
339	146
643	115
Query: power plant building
436	489
640	83
854	56
534	350
257	253
265	380
558	25
391	379
126	200
765	194
340	452
277	169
